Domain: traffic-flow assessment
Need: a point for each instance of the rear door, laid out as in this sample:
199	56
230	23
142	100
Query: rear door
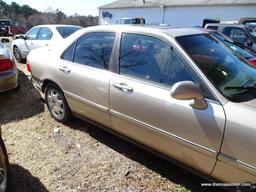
30	40
85	76
142	108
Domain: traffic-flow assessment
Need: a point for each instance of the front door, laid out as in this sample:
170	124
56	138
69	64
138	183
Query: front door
44	36
142	108
30	40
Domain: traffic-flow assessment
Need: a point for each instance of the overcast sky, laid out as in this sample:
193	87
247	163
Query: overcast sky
70	7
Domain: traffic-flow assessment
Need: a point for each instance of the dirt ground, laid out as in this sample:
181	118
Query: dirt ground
80	157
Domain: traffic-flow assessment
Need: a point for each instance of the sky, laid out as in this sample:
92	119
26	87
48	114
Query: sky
69	7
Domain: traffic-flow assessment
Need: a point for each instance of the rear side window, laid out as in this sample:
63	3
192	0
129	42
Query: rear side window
152	59
94	49
227	31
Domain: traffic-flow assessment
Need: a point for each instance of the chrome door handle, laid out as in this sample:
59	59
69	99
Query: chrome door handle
123	87
64	69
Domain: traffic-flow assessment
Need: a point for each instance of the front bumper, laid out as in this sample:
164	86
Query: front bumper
8	80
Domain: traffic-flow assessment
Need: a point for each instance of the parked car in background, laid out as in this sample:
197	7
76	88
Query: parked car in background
178	91
8	70
8	28
131	21
40	36
247	20
237	49
4	166
241	34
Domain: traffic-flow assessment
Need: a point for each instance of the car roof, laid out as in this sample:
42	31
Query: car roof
226	25
174	32
57	25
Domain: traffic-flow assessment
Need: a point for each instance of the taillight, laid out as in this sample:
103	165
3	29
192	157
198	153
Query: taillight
252	62
6	64
28	67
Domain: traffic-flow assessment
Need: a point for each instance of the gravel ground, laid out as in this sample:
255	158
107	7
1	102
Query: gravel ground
77	156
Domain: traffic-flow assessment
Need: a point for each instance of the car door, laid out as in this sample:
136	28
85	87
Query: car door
85	76
31	39
141	106
44	37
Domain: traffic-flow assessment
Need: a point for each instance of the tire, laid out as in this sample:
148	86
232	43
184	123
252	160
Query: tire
4	167
57	104
17	55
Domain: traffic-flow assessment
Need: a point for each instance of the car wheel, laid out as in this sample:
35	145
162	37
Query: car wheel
56	103
4	167
17	54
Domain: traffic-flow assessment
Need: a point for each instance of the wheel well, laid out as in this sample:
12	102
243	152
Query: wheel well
47	82
14	46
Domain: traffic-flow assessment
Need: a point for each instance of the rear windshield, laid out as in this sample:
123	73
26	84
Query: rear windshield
213	27
67	30
5	23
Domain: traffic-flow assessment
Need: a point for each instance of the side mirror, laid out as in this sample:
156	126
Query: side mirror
20	37
188	90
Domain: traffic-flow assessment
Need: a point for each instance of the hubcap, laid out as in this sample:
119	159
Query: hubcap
16	53
56	104
3	171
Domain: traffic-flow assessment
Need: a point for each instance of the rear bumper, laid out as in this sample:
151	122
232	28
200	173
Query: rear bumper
8	80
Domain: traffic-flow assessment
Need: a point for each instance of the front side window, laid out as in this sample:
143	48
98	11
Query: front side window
230	74
237	34
32	34
94	49
44	34
151	59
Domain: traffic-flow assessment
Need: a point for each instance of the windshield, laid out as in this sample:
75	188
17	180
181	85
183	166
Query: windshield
240	51
223	68
67	30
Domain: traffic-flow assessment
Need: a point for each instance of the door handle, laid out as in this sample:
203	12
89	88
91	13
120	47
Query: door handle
123	87
64	69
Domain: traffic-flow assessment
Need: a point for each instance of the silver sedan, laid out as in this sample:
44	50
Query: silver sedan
8	70
180	92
